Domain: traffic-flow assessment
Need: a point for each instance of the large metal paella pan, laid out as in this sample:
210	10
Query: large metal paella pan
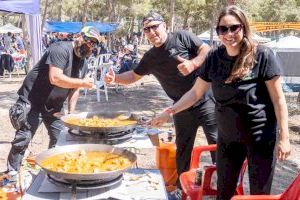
102	176
107	129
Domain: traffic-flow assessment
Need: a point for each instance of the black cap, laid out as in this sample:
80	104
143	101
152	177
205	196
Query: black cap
152	16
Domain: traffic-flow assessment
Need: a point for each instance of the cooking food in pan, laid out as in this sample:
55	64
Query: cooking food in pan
71	123
86	162
96	121
102	175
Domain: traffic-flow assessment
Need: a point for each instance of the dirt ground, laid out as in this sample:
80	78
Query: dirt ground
144	98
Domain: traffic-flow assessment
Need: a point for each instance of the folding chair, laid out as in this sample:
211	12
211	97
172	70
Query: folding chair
103	66
187	179
291	193
92	68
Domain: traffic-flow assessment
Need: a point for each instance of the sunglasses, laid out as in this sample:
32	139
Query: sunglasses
92	42
154	28
223	30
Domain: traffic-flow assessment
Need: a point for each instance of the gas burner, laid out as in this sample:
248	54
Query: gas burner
86	184
104	138
80	133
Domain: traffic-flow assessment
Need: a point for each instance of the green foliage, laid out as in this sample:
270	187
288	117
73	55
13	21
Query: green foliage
199	15
275	10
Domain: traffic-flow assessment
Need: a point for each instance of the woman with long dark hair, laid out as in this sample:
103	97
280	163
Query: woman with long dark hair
250	105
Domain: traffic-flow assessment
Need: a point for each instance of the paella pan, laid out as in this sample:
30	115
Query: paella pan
103	175
101	122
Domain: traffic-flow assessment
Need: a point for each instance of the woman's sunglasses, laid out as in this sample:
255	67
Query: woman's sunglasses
154	28
223	30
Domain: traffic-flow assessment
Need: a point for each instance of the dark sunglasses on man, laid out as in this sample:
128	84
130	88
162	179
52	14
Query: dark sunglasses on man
154	28
91	41
223	30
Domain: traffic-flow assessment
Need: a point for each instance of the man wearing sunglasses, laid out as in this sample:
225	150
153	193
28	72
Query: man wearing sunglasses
173	60
56	77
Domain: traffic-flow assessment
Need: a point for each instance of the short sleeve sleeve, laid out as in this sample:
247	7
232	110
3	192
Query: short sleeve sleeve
190	40
142	68
57	56
270	65
204	70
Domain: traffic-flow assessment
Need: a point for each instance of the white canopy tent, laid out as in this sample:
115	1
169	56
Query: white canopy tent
287	49
10	28
285	43
206	36
31	9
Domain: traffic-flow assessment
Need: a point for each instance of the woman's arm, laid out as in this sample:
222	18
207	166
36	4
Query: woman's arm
281	112
186	101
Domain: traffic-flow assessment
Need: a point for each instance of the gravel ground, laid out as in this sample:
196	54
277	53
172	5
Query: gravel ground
144	98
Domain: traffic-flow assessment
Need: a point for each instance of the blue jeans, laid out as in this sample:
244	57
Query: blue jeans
23	136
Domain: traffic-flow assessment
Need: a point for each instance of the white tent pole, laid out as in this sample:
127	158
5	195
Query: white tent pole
35	36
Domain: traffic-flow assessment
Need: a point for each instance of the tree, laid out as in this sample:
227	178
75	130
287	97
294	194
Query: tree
86	4
45	14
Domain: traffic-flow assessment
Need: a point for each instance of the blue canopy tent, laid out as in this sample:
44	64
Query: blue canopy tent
32	10
75	27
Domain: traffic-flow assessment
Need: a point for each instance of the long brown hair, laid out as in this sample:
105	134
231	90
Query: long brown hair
246	58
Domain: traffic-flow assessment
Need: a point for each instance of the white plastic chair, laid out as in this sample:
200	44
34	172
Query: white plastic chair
19	60
92	68
103	67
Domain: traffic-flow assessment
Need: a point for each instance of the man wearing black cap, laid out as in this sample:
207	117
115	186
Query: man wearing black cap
173	60
57	76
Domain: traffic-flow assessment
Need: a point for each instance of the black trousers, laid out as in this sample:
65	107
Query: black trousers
24	136
186	124
261	165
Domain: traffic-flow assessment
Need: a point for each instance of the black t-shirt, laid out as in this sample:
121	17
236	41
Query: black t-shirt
37	87
162	63
244	108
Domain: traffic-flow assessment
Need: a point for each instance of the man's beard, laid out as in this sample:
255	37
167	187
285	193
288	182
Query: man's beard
84	50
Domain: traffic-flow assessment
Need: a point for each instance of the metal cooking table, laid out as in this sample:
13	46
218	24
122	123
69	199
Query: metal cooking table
140	189
150	184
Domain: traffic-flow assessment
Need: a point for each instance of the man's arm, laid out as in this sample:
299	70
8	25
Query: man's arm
188	66
123	79
72	100
202	52
57	78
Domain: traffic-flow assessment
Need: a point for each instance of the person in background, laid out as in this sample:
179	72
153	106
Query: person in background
135	42
20	43
250	105
127	61
7	41
54	38
2	49
70	37
173	60
58	76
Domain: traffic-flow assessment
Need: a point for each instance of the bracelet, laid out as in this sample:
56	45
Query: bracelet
170	111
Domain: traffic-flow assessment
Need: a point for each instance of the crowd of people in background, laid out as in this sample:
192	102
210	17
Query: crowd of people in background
123	50
12	42
12	52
